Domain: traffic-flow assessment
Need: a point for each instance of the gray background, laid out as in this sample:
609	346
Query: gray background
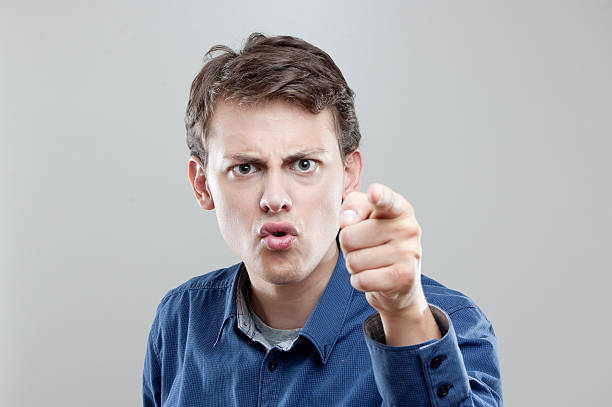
492	118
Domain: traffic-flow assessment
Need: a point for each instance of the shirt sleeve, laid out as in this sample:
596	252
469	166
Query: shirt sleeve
151	375
460	369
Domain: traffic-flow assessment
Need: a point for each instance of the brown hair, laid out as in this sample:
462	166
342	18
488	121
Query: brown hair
271	68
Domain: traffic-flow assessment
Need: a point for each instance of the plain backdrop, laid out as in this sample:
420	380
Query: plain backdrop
494	119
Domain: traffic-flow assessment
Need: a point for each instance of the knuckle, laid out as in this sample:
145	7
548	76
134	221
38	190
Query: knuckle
405	254
403	227
418	228
408	227
351	261
396	274
356	281
410	254
345	239
403	276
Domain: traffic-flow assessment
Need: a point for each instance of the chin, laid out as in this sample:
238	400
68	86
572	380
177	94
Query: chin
283	276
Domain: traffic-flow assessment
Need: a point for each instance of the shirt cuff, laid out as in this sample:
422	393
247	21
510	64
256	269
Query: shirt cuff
429	373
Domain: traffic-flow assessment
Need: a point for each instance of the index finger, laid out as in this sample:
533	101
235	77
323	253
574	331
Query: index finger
355	208
387	203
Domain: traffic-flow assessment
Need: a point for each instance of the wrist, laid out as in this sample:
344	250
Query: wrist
413	325
412	314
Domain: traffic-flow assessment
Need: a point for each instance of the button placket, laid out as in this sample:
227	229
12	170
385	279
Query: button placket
443	390
437	361
270	385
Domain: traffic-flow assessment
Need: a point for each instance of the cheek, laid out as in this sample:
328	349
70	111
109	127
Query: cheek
235	227
328	210
232	215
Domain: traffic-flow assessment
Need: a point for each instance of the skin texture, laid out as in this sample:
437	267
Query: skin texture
275	190
276	162
381	240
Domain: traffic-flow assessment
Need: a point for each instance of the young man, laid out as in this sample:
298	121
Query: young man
328	306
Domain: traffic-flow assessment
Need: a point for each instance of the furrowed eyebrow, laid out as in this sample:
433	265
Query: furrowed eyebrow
251	159
304	154
245	158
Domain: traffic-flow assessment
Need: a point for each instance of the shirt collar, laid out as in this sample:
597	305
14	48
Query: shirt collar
326	321
230	298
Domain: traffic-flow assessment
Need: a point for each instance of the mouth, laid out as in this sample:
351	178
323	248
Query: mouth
278	236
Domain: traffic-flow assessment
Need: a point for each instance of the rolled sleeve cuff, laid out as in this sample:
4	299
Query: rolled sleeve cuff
429	373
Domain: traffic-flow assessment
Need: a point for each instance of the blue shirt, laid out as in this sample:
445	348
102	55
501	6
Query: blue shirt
198	355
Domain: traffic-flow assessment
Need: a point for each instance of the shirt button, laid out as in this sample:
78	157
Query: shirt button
272	365
443	390
437	361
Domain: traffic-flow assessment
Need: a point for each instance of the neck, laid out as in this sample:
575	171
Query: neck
289	306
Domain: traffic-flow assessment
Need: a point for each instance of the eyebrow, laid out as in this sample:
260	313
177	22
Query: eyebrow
252	159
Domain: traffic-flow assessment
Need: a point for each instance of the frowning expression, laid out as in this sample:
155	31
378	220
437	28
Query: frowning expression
276	178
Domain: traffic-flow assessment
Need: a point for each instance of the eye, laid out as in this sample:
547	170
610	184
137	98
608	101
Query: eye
305	165
243	169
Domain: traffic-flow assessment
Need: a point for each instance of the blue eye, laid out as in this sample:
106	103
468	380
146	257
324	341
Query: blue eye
305	165
243	169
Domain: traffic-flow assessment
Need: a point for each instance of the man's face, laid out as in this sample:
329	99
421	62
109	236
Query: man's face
276	179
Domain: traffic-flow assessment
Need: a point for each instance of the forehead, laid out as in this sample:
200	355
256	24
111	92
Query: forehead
268	127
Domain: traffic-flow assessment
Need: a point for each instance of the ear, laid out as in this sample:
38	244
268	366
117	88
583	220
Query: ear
352	173
199	183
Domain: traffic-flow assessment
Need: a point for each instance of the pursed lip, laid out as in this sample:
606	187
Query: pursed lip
277	229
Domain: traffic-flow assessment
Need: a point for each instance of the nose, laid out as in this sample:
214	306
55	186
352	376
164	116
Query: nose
274	197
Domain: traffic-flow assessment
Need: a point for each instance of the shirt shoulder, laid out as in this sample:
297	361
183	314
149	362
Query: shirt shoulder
445	298
201	298
216	279
208	293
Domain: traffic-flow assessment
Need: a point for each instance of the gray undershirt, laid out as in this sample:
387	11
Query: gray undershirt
281	337
254	327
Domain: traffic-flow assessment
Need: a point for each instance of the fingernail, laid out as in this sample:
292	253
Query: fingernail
348	216
381	199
